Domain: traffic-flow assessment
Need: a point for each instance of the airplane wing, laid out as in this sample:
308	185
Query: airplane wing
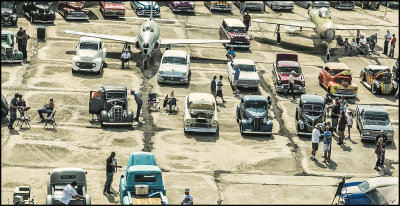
128	39
354	27
287	22
191	41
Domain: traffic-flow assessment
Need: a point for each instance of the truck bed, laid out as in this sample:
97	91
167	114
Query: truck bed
146	200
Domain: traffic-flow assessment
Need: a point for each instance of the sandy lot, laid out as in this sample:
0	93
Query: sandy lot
226	168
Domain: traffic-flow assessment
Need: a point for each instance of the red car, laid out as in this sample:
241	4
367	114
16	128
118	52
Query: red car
336	79
73	10
234	30
112	8
282	68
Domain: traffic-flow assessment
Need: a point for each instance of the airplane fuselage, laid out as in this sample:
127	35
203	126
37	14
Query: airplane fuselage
148	38
325	28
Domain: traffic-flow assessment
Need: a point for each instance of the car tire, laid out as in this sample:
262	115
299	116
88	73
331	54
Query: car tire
308	6
31	19
363	5
374	89
73	71
241	129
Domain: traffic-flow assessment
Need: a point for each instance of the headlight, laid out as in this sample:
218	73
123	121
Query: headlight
279	82
355	88
335	87
378	85
395	85
37	11
250	120
160	72
214	123
390	134
184	73
365	132
107	10
187	121
265	120
301	124
303	83
77	64
93	65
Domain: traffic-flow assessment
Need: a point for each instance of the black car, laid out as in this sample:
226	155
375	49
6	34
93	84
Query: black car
371	119
368	4
309	112
4	107
39	11
111	106
395	71
345	5
8	13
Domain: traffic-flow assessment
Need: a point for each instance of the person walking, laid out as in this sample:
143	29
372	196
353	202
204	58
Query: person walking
315	141
68	193
387	38
291	85
139	102
247	20
213	86
335	115
384	141
327	144
373	39
25	37
349	123
125	57
219	88
18	38
187	199
109	173
48	108
342	126
13	111
236	79
392	45
378	152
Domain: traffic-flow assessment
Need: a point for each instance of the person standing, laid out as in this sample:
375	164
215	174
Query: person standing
139	102
327	144
125	57
48	108
349	123
343	104
68	193
115	162
236	79
24	39
18	38
392	46
373	39
378	152
384	141
242	6
13	111
387	38
109	173
328	103
342	126
291	85
187	199
335	115
213	86
219	88
315	141
247	20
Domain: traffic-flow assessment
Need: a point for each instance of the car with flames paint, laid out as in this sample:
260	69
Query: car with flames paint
309	112
143	8
112	8
378	79
219	5
282	68
8	13
182	6
39	11
74	10
235	31
200	113
336	79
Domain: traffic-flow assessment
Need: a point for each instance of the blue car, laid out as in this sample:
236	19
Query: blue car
359	193
252	115
143	8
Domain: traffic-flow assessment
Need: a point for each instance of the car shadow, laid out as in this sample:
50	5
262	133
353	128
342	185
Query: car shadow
174	85
316	50
87	75
203	137
258	137
185	13
116	128
92	16
205	60
222	13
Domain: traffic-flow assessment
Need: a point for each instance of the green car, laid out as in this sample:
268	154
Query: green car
8	54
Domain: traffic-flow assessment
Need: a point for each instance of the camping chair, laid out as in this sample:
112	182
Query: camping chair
50	120
23	119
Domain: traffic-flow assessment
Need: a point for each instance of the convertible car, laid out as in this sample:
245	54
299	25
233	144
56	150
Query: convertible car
378	79
336	79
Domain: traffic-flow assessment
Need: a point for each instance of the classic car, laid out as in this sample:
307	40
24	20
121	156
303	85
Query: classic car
282	5
181	6
8	54
378	79
4	107
357	193
8	13
90	55
390	3
111	106
59	178
235	31
248	77
309	112
252	115
142	182
308	4
22	195
368	4
396	71
336	79
39	11
345	5
143	8
200	113
219	5
73	10
251	5
371	119
282	68
174	67
112	8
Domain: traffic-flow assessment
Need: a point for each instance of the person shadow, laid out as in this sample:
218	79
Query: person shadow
111	197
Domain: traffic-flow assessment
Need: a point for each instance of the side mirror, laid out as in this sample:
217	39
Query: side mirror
85	172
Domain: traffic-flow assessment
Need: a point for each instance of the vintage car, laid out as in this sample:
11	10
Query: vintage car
90	55
345	5
4	107
8	54
8	13
248	77
282	68
142	182
112	8
390	3
252	115
200	113
22	195
378	79
309	112
336	79
396	71
174	67
143	8
111	106
182	6
251	5
308	4
371	119
368	4
359	193
235	31
281	5
61	177
73	10
219	5
39	11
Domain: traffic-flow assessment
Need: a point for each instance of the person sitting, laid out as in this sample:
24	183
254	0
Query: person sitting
230	55
48	108
354	47
364	46
346	45
339	41
125	57
22	103
170	100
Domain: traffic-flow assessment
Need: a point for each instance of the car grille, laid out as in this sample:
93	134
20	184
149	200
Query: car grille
247	82
4	18
374	133
221	5
172	78
344	92
257	124
184	8
148	12
9	53
386	88
85	65
117	114
200	124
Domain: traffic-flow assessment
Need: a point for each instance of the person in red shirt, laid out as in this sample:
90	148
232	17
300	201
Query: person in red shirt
392	45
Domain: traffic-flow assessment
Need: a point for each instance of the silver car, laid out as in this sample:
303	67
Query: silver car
282	5
248	77
174	67
308	4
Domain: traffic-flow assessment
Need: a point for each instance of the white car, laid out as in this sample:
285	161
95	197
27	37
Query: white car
248	77
282	5
90	55
200	113
174	67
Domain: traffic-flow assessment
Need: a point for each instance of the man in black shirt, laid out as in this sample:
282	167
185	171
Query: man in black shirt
18	37
384	137
109	173
13	111
335	115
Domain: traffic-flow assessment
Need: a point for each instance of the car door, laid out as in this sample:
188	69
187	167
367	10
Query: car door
96	105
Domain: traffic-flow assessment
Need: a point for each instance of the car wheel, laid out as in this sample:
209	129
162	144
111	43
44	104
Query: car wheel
308	6
241	129
31	19
363	5
373	89
272	6
73	71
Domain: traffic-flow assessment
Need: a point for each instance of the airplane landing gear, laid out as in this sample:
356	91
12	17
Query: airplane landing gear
327	53
278	34
144	64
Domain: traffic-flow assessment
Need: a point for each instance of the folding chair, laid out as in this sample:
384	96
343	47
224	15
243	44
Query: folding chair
50	120
23	119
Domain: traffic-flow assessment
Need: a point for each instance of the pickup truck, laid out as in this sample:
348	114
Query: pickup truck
142	183
284	65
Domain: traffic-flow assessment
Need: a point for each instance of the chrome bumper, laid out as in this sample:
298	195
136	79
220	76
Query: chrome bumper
255	132
44	21
283	7
282	88
77	18
117	123
221	8
345	95
199	129
238	45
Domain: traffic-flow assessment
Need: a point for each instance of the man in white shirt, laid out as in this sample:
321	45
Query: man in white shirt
187	199
349	122
291	85
387	37
315	140
125	57
69	193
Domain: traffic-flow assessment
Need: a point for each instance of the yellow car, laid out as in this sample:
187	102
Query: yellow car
336	79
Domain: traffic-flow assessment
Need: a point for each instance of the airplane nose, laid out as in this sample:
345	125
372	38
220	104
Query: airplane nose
146	45
330	34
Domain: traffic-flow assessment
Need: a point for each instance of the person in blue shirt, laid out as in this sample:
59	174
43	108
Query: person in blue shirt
327	144
230	54
236	79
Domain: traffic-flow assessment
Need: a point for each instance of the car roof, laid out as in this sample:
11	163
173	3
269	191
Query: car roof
254	98
141	158
175	53
144	168
231	22
312	99
337	66
201	97
243	61
288	64
55	175
114	88
382	181
372	108
89	39
377	67
6	32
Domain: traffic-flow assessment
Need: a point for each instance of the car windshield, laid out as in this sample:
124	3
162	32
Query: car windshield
237	29
341	80
115	95
7	4
256	104
376	116
246	67
174	60
145	178
289	69
363	186
88	45
312	108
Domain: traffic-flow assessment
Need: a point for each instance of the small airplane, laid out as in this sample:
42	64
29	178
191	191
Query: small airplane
319	20
148	39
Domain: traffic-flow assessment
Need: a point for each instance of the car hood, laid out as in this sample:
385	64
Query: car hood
255	112
87	55
43	6
248	76
285	77
147	4
6	11
173	68
313	118
76	5
114	6
377	126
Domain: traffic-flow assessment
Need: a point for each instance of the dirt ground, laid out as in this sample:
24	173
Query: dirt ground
227	168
